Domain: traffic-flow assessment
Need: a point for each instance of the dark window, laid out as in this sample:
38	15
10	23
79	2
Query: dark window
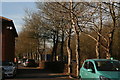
91	66
108	65
86	65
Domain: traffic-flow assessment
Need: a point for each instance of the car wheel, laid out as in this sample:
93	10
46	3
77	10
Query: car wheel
14	73
80	78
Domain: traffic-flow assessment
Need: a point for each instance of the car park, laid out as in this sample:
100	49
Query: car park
9	69
100	69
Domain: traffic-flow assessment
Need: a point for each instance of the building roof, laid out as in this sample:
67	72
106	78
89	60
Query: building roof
5	19
10	23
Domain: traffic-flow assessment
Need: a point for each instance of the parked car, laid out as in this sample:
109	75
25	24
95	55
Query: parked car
9	69
19	61
1	73
30	63
100	69
23	61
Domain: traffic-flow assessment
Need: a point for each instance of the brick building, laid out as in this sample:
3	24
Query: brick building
8	39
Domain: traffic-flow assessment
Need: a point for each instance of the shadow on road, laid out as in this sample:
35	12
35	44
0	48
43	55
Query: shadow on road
38	73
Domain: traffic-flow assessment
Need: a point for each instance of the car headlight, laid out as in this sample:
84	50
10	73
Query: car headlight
104	78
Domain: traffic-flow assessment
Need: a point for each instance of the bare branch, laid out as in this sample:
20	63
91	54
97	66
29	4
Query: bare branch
95	40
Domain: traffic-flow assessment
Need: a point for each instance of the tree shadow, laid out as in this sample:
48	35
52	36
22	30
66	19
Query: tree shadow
37	73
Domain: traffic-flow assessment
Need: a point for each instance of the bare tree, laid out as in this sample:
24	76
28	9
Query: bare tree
103	40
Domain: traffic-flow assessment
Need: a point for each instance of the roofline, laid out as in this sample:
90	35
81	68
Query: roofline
1	17
11	21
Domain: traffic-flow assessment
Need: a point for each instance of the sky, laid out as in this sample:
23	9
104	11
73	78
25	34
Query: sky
16	12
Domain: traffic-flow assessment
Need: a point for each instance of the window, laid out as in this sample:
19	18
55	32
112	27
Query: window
91	66
107	65
86	65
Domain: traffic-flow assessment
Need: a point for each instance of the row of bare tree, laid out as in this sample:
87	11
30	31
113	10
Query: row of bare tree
63	27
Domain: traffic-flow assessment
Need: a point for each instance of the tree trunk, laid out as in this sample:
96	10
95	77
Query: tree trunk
98	36
62	45
69	51
111	41
77	50
76	30
110	44
111	34
40	55
31	56
53	51
44	45
56	44
98	47
27	55
77	54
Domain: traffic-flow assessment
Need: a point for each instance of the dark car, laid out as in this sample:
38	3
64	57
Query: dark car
23	61
30	63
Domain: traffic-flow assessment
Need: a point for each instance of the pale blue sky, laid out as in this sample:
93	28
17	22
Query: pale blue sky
16	11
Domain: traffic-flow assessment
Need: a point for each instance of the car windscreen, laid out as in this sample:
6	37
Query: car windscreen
107	65
7	64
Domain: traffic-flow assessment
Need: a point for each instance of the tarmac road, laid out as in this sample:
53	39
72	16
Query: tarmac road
27	73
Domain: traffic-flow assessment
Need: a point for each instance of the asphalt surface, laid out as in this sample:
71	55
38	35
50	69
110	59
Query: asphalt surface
36	73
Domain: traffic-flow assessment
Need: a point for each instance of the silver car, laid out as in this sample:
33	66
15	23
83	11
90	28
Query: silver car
1	73
9	69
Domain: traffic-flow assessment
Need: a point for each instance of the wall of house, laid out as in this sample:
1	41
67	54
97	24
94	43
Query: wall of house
0	45
8	44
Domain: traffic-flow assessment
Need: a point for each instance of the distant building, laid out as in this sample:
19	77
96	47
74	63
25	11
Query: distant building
8	39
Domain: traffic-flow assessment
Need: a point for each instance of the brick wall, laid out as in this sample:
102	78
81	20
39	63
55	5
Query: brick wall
8	43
